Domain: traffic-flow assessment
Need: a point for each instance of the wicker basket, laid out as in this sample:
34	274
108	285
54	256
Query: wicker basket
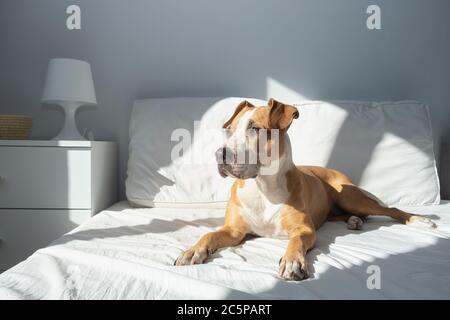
14	127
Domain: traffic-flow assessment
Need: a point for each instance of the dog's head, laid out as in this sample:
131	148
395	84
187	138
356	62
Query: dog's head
256	137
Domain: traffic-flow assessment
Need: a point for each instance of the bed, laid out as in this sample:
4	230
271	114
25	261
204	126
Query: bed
127	251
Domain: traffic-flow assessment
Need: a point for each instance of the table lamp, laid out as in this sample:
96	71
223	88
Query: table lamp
69	84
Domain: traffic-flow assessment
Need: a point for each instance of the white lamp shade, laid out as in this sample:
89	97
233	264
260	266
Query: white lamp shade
69	80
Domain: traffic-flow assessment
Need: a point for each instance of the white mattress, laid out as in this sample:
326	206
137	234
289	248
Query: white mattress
125	253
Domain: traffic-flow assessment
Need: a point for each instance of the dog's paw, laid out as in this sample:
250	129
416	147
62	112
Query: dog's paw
293	268
420	221
192	256
354	223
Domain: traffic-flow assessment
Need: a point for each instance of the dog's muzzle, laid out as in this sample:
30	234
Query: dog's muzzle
228	166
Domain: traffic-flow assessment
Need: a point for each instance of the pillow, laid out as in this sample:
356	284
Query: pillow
386	148
157	128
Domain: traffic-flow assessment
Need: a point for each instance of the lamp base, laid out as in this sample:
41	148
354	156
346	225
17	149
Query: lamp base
70	130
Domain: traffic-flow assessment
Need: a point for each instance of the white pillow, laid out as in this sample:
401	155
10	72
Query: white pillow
152	178
386	148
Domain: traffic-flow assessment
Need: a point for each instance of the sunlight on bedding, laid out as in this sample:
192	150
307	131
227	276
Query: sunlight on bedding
126	253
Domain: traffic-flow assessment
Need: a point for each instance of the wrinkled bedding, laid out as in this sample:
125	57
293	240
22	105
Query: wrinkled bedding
127	253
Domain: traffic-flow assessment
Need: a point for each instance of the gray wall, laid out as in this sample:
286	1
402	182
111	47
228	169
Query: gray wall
319	49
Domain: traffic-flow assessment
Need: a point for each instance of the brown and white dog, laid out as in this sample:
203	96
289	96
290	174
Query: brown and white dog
290	202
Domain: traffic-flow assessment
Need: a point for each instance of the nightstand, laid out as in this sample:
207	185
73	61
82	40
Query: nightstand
47	188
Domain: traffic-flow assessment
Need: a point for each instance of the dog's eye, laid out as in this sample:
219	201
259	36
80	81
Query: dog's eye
254	128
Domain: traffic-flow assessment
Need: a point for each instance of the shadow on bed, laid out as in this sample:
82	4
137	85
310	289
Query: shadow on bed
399	278
165	226
155	226
399	275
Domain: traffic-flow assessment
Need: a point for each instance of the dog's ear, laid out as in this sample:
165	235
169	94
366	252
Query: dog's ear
243	105
281	115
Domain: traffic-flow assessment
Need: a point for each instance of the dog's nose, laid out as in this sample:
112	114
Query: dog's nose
224	155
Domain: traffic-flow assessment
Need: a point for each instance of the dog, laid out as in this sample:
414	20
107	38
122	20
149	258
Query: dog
287	201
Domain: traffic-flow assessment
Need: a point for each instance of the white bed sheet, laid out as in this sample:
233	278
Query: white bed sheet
125	253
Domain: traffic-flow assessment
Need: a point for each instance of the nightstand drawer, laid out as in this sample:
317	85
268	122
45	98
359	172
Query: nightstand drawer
45	177
24	231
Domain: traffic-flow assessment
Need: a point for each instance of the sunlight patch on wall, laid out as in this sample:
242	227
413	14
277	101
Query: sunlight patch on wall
277	90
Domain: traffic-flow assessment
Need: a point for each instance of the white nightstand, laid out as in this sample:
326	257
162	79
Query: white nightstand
48	188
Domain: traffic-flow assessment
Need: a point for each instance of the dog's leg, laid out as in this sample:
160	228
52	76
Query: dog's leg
360	203
353	222
231	234
209	243
302	237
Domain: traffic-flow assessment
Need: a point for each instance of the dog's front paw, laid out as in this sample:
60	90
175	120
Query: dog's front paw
293	267
192	256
